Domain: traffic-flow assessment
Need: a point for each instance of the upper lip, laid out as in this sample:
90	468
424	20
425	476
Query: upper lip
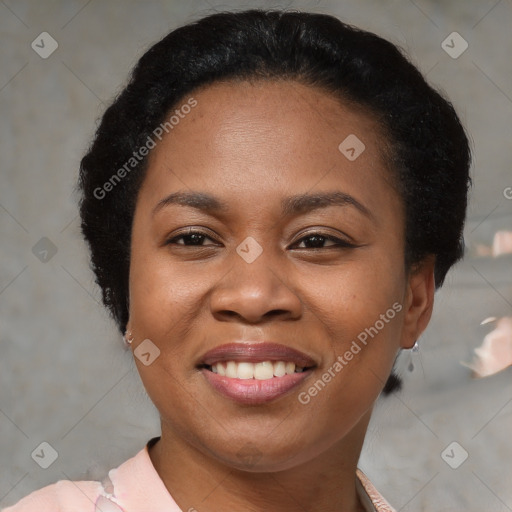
256	352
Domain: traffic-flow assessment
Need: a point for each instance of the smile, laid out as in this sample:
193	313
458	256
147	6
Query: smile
259	371
255	373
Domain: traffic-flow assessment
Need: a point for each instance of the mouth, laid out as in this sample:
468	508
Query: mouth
260	371
255	373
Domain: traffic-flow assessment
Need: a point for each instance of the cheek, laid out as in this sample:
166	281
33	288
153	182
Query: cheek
361	314
162	295
353	296
360	309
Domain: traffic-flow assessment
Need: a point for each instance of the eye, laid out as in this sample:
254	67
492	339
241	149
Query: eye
192	237
196	238
317	241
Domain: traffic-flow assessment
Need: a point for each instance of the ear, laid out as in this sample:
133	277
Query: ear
419	301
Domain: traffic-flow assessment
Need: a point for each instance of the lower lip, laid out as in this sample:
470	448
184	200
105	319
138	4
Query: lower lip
253	391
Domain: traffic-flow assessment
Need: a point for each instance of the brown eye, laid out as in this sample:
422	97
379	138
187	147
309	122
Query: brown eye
190	238
318	240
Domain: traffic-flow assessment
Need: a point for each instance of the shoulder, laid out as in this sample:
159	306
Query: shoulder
64	495
132	477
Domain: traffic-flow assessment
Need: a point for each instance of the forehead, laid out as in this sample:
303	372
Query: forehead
257	140
281	114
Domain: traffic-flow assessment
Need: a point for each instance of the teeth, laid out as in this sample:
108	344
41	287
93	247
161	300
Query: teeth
231	369
245	371
264	370
279	368
259	371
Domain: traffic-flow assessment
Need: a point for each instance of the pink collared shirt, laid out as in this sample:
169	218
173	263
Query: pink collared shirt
135	486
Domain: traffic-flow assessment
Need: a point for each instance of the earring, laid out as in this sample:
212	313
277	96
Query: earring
128	338
415	349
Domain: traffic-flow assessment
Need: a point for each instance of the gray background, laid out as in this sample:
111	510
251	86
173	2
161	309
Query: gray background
64	376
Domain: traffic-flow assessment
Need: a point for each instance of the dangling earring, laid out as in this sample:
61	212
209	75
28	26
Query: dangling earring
415	349
128	338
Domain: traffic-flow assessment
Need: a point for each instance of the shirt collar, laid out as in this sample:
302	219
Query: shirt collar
137	483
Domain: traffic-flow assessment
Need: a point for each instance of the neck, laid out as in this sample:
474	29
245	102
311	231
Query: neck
198	482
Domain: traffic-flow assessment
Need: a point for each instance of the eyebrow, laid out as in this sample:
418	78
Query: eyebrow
293	205
198	200
308	202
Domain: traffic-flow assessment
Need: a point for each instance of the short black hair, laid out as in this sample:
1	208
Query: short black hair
430	154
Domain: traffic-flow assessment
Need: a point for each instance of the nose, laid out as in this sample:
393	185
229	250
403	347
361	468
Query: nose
254	293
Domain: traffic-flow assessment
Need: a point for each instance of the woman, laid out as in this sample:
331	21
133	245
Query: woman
270	205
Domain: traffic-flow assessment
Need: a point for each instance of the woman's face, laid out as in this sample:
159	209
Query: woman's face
261	246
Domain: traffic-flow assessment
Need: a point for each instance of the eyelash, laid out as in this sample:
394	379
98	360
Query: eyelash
339	243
